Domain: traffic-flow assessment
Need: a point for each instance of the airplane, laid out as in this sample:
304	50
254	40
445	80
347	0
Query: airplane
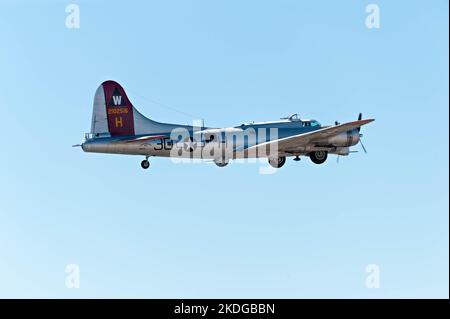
119	128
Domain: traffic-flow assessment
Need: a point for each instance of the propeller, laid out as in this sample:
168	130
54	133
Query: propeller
362	145
360	135
360	140
359	119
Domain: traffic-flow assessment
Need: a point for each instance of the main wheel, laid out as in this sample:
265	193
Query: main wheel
318	157
221	163
145	164
277	162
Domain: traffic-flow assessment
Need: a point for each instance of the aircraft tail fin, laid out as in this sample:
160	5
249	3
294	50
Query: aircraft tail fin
113	111
114	115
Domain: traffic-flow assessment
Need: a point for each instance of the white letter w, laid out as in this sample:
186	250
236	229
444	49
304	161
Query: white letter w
117	100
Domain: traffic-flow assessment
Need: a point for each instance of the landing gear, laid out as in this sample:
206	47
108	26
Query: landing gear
297	158
277	162
318	157
221	163
145	164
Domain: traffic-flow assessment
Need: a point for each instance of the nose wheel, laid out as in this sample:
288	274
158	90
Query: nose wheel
145	164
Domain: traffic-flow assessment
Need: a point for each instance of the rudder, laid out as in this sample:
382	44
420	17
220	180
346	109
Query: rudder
113	111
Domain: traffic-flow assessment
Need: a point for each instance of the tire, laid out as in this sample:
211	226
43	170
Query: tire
221	163
318	157
277	162
145	164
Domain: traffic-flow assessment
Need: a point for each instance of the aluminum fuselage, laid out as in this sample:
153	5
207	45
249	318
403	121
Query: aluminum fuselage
175	137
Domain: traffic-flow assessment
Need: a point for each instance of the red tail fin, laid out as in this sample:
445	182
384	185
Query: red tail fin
119	109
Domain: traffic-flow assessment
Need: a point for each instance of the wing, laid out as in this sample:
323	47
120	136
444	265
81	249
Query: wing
305	139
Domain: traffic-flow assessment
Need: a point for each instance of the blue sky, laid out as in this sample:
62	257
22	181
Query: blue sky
199	231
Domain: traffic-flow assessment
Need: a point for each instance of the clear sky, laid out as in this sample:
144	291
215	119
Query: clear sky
197	230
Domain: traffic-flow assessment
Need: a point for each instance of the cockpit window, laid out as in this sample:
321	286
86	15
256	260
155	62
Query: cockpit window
312	123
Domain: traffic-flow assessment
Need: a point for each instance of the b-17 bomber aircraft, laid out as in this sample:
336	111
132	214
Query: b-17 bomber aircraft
118	128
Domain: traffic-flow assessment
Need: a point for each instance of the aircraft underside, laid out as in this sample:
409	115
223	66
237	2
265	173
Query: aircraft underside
219	154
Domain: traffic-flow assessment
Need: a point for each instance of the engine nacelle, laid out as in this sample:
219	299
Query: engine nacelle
348	138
